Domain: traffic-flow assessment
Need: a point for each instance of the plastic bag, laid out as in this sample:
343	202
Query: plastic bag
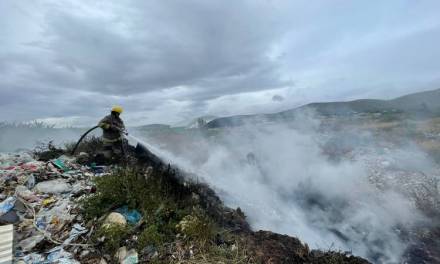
30	183
76	231
33	258
59	255
23	192
132	216
7	205
29	243
53	186
131	257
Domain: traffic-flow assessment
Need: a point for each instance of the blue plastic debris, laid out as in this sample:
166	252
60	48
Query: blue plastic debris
33	258
132	216
59	255
7	205
76	231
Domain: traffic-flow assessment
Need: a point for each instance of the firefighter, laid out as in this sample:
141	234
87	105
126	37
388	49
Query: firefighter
112	136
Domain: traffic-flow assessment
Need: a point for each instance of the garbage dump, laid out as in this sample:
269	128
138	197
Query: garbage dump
41	200
64	210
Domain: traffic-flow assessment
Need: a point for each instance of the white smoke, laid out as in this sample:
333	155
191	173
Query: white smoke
282	181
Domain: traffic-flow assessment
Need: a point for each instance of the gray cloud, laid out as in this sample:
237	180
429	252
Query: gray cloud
199	44
277	98
76	58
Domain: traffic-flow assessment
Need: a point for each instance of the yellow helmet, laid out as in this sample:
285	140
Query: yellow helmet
117	109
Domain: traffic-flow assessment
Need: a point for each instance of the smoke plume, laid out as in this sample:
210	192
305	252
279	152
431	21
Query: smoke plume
284	182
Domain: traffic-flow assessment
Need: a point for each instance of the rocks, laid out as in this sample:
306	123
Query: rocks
53	187
115	219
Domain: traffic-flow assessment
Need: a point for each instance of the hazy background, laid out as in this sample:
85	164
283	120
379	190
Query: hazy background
67	62
364	201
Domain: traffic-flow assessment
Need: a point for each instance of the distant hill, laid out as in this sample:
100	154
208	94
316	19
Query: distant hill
200	121
419	104
152	128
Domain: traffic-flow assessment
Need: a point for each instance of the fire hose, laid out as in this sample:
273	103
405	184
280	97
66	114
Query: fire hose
81	138
87	132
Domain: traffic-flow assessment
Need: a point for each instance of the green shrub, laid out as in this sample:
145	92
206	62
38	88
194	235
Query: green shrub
93	206
114	236
197	226
151	236
166	207
122	187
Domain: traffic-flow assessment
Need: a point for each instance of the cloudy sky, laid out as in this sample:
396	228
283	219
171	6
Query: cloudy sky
170	61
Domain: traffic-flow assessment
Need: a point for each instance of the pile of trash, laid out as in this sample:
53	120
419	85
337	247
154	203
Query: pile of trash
409	173
41	200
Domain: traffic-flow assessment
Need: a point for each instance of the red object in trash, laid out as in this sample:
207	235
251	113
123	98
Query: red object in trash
30	167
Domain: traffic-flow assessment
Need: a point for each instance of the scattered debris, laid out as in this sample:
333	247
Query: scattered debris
7	205
127	257
115	219
29	243
132	216
53	187
40	197
121	254
131	257
146	215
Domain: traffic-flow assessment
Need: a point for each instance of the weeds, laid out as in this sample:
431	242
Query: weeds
151	236
167	213
197	226
112	236
122	187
